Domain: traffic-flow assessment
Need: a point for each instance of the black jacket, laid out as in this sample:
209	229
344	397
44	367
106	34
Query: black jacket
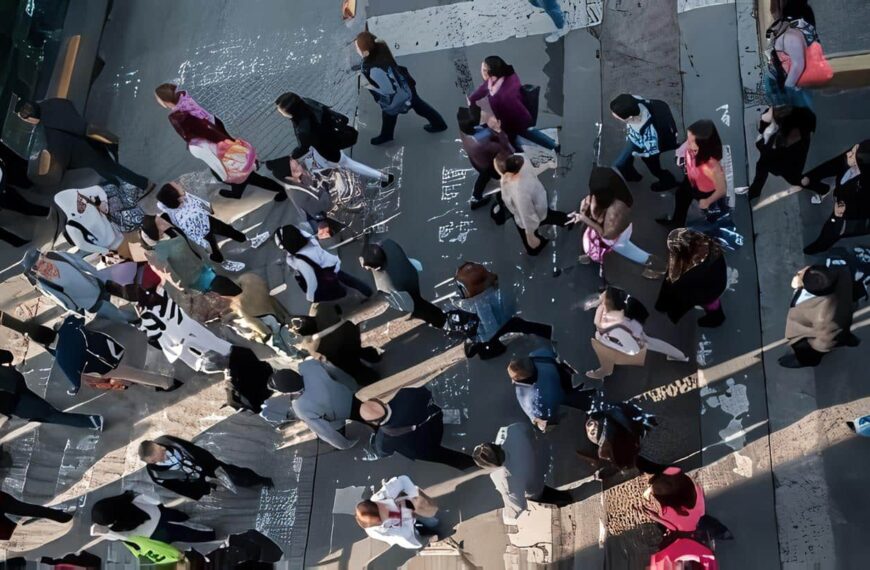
398	274
310	132
411	408
701	285
855	192
11	384
176	480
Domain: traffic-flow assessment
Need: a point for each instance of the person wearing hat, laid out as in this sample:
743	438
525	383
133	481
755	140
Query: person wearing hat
396	276
643	139
316	398
851	215
820	317
72	283
517	470
71	142
16	399
191	471
412	425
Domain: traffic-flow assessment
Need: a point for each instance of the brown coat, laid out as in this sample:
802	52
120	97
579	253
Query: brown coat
822	320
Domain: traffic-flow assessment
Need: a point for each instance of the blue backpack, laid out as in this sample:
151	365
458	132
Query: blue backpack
400	101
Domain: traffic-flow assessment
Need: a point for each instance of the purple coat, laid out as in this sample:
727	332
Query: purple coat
507	104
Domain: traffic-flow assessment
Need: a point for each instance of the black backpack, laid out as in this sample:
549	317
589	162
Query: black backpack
666	126
337	124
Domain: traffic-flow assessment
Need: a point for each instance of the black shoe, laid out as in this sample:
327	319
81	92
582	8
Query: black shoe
849	340
632	176
216	257
790	361
229	193
280	196
380	139
176	384
712	320
663	186
475	203
814	249
388	182
471	349
430	128
497	213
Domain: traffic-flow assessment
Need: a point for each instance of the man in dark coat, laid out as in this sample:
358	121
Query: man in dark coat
412	425
820	317
9	505
16	399
73	143
397	277
190	470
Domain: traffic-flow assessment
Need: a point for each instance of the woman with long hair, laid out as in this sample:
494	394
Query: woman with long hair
502	87
696	275
705	179
791	33
674	501
619	334
393	88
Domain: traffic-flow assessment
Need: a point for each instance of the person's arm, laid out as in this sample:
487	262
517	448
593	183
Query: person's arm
795	47
400	485
830	168
478	94
307	274
717	173
324	430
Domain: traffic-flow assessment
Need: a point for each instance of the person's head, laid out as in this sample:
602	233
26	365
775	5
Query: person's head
495	67
593	429
287	382
28	111
297	170
616	299
373	411
703	141
488	455
367	514
6	357
602	186
290	105
170	195
858	157
371	49
303	325
290	239
167	95
151	452
815	279
509	165
625	107
793	10
687	249
373	257
674	489
521	370
472	279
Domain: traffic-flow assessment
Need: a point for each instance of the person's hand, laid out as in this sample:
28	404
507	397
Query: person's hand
540	424
104	207
839	209
805	181
533	240
575	218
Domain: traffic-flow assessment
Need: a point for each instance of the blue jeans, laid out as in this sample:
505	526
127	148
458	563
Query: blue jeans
551	7
535	136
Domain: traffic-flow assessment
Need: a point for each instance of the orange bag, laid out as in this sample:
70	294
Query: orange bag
817	71
238	158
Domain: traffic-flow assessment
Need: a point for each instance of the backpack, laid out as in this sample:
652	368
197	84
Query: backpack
664	123
400	102
337	124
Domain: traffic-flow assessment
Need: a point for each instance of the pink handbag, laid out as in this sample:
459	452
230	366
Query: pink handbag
238	158
594	245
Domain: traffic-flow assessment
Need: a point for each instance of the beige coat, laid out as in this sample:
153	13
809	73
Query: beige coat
821	320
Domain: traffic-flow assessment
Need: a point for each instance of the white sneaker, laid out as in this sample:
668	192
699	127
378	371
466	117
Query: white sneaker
233	266
96	423
816	199
259	239
741	190
557	35
675	359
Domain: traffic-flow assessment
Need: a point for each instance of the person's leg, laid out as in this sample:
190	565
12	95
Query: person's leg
662	347
370	354
265	182
12	239
644	465
760	178
216	254
627	249
682	202
831	232
13	506
606	363
10	199
428	312
221	228
483	178
555	218
388	129
360	168
539	138
32	407
172	515
244	477
520	325
355	406
427	526
169	532
425	110
451	457
579	399
108	310
350	281
101	161
551	496
666	179
236	190
714	316
529	249
803	355
552	8
625	163
126	372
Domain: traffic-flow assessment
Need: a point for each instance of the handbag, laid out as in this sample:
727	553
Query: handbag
238	159
817	68
531	95
594	245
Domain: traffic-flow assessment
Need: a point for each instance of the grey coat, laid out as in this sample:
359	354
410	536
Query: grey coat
324	405
522	475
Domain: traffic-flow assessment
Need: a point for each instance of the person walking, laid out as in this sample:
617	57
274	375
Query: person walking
74	284
316	398
705	179
820	315
616	429
194	216
851	215
98	218
493	312
392	87
503	89
189	470
620	337
412	425
697	275
606	212
317	271
554	11
399	513
71	142
526	199
11	199
322	132
396	277
141	514
9	505
231	160
650	130
783	143
84	352
339	342
518	471
16	399
482	145
543	384
790	35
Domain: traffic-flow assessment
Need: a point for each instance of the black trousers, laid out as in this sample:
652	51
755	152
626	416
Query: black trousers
12	239
806	354
762	172
244	477
450	457
494	347
97	156
483	178
9	505
32	407
683	200
835	229
554	218
10	199
257	180
625	164
220	228
428	312
551	496
421	107
168	530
